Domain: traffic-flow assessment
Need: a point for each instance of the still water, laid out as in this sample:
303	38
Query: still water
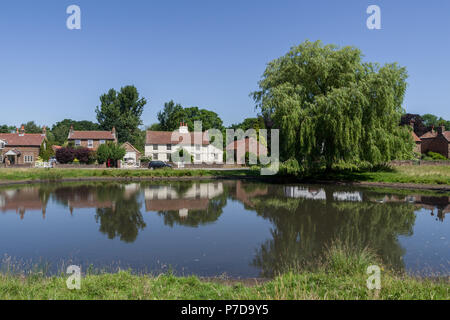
232	228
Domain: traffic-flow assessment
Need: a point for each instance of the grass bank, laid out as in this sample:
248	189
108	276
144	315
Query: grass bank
55	174
411	174
342	276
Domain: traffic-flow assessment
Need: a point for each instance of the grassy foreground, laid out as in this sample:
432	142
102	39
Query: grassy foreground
438	175
58	174
401	174
343	276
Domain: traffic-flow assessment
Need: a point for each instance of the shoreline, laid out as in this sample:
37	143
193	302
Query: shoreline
269	179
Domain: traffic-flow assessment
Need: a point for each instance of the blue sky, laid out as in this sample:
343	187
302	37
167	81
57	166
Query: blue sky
209	54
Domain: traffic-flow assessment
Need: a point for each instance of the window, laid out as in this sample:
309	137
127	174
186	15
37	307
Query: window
28	159
197	157
77	143
216	156
155	156
2	144
90	144
155	147
169	147
102	141
197	147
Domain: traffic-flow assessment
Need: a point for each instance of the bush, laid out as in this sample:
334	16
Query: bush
436	156
65	155
290	168
146	159
110	151
83	155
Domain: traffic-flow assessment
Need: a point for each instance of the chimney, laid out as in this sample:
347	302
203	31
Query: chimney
441	129
183	128
71	131
22	130
17	130
44	131
113	132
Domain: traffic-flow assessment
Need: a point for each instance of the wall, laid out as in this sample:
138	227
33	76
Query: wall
206	153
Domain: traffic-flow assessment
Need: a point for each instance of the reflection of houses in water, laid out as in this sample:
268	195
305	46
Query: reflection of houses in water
432	203
246	196
348	196
89	201
305	193
22	200
169	198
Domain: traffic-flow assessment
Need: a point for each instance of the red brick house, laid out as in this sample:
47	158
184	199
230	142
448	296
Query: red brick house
21	148
91	139
436	141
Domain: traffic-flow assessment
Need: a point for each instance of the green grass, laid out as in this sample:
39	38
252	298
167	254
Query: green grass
59	174
342	276
439	175
402	174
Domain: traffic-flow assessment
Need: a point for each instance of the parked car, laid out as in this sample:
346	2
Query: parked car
158	165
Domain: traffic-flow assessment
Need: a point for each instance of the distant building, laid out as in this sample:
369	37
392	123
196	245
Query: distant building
241	147
160	145
21	148
91	139
436	141
133	155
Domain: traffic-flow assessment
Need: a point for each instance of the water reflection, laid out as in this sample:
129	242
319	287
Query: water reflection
303	219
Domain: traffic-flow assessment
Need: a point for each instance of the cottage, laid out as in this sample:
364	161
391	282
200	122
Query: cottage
21	148
91	139
160	145
436	141
241	147
133	155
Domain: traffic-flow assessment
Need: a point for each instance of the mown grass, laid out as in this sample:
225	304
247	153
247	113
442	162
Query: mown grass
342	276
439	175
402	174
59	174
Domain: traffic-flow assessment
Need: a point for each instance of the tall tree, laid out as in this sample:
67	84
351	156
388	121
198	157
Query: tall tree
172	114
331	107
122	110
60	130
7	129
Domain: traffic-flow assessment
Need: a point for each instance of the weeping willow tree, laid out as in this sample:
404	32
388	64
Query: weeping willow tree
331	107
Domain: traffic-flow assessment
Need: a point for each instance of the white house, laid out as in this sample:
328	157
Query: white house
160	145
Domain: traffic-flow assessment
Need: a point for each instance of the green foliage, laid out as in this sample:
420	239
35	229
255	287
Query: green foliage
330	106
60	130
436	156
432	120
7	129
46	151
122	110
146	159
32	127
289	168
110	151
173	114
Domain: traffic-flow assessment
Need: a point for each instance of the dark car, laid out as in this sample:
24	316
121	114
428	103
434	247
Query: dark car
158	165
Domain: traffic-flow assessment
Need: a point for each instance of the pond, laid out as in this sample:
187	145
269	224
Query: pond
213	228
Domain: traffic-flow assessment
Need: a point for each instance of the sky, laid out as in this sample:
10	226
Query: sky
204	53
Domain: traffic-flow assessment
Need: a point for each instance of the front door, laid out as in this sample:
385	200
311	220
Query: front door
12	159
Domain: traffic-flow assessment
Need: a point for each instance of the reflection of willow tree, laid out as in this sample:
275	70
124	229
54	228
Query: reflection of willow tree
303	228
124	219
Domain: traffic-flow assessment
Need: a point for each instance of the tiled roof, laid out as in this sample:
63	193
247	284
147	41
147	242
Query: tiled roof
91	135
415	137
25	140
247	142
429	134
446	134
130	148
165	137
